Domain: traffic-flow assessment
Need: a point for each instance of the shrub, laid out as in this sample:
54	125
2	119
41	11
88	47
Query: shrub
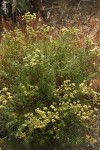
43	95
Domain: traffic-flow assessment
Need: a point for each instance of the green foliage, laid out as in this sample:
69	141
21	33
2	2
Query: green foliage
43	93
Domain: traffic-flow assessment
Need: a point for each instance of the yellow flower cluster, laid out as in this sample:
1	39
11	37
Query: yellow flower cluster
67	101
45	28
29	90
29	17
38	120
65	105
5	98
66	91
86	90
95	51
35	58
90	140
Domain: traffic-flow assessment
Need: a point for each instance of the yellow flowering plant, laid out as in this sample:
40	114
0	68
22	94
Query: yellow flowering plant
43	96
